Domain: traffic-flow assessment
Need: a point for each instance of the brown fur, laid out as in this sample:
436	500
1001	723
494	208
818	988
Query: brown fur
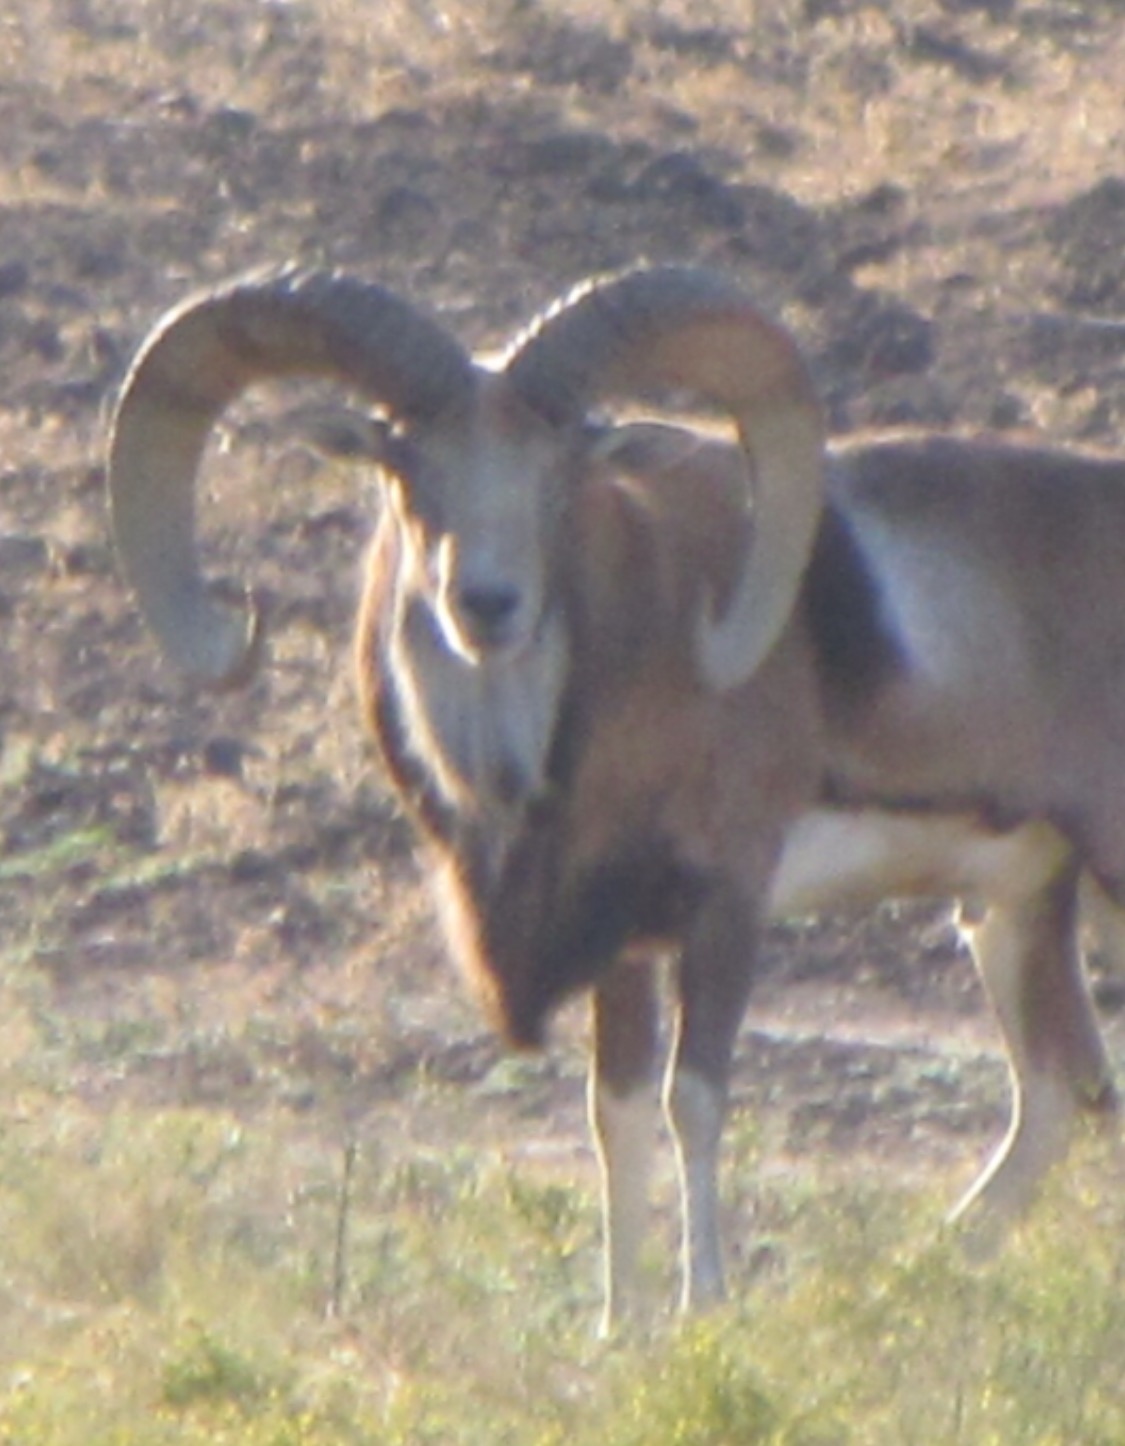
643	807
655	787
666	806
1024	714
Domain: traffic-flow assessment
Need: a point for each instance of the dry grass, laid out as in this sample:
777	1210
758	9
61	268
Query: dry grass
166	1278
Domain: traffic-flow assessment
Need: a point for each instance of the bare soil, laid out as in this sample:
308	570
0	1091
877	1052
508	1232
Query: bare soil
213	900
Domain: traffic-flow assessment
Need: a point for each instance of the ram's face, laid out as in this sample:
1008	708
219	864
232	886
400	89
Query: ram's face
477	497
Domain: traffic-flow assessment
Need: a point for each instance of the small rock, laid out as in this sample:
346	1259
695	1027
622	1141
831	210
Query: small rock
223	757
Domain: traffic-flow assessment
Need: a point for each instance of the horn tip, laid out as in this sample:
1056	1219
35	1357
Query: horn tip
221	649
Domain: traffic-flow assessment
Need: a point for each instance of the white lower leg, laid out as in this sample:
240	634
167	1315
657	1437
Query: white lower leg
695	1111
624	1128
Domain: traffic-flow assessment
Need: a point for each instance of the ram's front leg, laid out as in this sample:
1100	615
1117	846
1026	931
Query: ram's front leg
624	1117
714	979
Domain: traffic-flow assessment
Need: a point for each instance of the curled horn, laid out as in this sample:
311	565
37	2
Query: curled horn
196	362
676	328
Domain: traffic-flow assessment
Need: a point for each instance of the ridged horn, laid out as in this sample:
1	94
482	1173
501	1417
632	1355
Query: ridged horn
678	328
194	364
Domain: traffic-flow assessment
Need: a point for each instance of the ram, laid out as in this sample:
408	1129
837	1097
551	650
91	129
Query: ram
641	687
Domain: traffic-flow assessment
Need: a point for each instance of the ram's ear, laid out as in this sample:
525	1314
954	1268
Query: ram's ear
346	432
644	448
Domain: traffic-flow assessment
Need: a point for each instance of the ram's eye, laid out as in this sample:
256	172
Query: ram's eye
413	475
399	455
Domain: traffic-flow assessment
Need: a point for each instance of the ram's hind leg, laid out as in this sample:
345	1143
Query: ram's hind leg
624	1115
1028	957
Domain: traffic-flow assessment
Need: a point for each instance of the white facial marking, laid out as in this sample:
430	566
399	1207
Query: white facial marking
484	728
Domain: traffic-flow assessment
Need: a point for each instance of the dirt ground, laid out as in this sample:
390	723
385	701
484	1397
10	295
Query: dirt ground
213	899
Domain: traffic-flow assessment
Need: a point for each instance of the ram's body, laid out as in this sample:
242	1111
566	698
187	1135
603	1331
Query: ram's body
904	694
997	573
922	728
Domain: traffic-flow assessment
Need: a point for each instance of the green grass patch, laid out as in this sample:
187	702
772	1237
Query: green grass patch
70	850
165	1277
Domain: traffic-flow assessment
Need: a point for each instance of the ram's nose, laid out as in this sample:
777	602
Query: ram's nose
490	611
